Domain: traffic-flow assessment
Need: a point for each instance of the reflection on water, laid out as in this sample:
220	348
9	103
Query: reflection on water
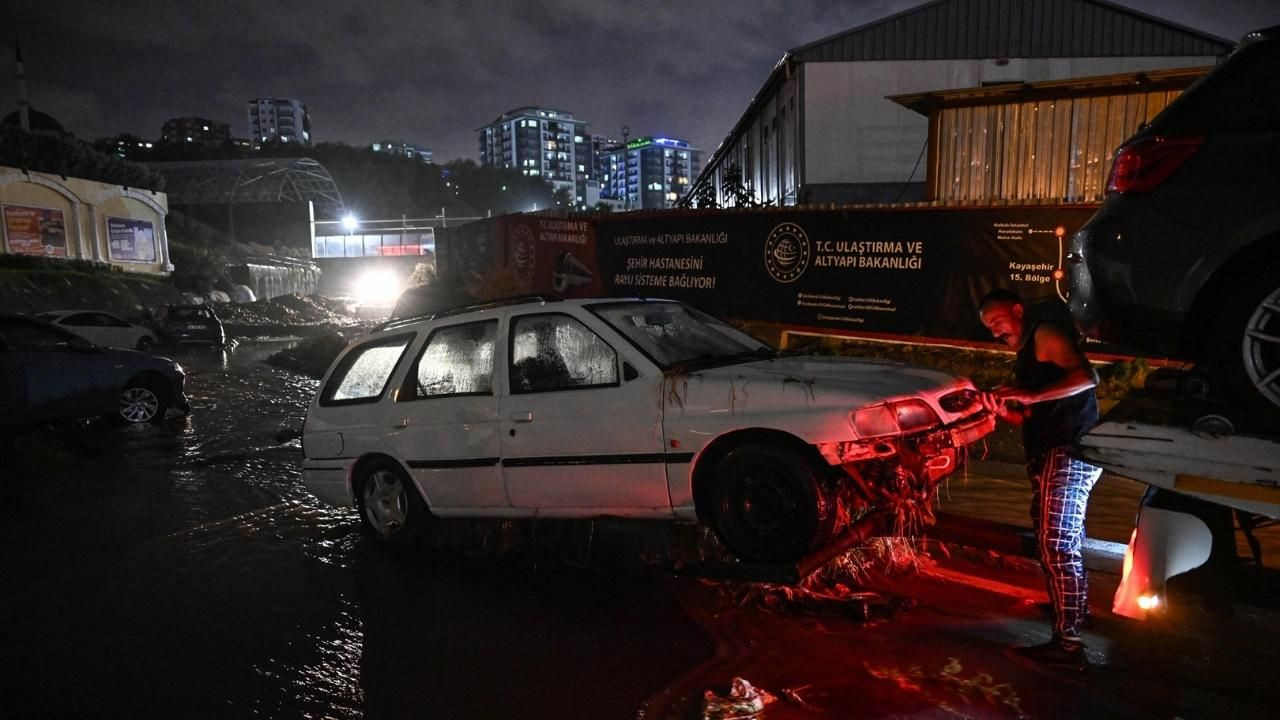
181	570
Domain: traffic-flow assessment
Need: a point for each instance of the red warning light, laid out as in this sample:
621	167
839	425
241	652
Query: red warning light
1059	231
1058	274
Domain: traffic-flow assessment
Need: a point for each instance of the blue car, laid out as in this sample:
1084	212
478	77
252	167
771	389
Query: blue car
49	374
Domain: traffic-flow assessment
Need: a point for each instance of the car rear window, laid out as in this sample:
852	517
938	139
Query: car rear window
363	374
191	314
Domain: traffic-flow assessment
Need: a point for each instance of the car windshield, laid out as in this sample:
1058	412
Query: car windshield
672	334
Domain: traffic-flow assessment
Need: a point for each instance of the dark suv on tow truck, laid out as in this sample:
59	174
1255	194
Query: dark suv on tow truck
1183	258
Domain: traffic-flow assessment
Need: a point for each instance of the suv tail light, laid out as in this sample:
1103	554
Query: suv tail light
1142	165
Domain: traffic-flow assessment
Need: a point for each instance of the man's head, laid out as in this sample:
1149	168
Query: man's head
1001	311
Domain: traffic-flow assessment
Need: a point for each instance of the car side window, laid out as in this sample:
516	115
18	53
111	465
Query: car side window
25	336
557	352
81	320
457	360
365	371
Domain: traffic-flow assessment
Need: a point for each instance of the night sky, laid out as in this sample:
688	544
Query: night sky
431	72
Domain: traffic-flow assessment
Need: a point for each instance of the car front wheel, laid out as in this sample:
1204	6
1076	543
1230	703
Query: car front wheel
1247	343
142	403
769	504
391	510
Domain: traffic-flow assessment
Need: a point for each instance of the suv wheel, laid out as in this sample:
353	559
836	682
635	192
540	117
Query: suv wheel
1247	343
142	403
769	504
391	510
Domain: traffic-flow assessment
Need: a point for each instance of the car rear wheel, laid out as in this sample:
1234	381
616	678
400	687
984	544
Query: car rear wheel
769	504
1247	343
391	510
141	402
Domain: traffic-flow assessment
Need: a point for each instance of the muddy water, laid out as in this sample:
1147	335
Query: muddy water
181	570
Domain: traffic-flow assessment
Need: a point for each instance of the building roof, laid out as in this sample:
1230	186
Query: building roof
40	122
1018	92
968	29
251	181
534	111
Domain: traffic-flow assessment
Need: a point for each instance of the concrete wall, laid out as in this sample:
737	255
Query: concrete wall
88	210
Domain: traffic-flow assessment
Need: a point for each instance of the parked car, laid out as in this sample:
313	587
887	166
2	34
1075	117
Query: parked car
48	373
102	329
1183	258
192	324
633	408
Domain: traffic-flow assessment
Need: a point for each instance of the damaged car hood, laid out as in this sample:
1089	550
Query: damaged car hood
870	380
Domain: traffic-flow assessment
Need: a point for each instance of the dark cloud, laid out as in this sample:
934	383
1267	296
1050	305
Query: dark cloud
431	72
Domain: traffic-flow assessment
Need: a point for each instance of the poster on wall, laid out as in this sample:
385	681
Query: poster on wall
552	255
131	240
903	272
35	231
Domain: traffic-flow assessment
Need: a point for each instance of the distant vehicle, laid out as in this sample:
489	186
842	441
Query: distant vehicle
48	373
102	329
631	408
192	324
1183	258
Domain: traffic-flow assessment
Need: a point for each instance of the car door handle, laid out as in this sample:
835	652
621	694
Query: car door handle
522	416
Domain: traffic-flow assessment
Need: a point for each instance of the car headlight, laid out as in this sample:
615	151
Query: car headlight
892	418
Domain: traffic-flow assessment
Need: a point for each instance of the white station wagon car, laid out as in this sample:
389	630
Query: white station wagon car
631	408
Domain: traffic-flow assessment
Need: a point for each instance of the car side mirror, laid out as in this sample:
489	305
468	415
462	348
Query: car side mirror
81	345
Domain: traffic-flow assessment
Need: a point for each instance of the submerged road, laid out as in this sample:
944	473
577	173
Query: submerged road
181	570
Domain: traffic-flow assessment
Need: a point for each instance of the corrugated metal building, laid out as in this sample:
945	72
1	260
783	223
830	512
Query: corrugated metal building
822	129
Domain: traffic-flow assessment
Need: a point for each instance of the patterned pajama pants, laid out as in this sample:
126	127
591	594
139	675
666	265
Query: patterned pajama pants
1060	491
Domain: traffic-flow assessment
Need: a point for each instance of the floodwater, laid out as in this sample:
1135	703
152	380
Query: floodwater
181	570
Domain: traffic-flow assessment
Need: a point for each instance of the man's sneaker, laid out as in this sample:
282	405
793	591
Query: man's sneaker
1058	653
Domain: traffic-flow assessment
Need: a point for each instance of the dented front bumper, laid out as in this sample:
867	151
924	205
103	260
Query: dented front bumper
935	450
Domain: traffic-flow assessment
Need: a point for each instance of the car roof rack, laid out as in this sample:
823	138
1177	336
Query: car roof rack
503	302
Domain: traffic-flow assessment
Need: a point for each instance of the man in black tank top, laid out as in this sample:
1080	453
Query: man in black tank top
1054	400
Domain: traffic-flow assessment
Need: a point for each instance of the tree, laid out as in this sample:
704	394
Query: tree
737	192
68	156
703	197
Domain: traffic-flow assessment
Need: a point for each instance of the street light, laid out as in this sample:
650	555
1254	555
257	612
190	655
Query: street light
350	222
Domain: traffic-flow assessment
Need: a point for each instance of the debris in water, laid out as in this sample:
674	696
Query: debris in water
743	701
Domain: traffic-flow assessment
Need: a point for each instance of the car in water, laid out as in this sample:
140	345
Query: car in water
192	324
1182	259
102	328
49	374
628	408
